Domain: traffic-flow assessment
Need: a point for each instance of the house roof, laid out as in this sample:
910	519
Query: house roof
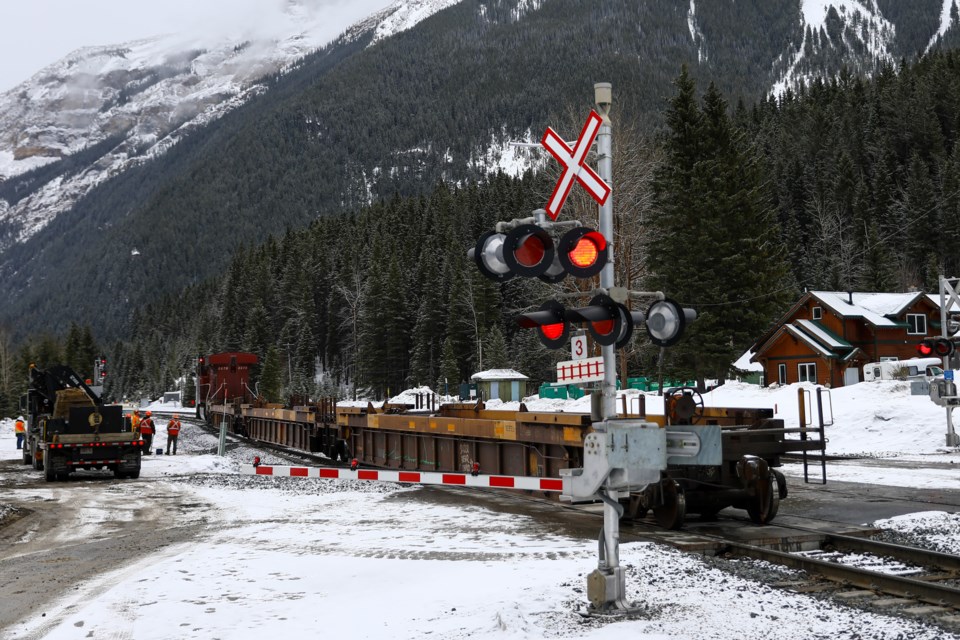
746	363
875	308
935	299
498	374
879	309
817	338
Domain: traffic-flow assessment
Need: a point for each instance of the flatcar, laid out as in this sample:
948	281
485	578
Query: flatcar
460	437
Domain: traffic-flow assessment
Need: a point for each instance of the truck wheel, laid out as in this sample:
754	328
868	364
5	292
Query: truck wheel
134	474
49	473
26	454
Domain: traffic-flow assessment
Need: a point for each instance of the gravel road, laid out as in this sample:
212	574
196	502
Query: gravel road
56	536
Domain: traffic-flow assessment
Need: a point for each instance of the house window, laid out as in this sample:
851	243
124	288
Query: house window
888	358
782	374
817	313
916	324
807	371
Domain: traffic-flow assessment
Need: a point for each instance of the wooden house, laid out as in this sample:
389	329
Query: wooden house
827	336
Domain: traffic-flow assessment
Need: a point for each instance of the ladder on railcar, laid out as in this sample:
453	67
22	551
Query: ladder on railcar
807	429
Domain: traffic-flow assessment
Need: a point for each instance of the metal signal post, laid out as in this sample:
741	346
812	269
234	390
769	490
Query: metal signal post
609	565
947	291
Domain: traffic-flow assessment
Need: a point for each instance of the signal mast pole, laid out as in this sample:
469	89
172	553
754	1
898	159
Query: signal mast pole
609	562
947	290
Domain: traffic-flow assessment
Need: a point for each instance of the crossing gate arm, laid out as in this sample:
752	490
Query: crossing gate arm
524	483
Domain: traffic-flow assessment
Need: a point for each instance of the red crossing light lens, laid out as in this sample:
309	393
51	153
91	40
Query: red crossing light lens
530	251
553	331
585	252
604	327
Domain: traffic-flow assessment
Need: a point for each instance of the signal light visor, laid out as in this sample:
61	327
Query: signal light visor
550	322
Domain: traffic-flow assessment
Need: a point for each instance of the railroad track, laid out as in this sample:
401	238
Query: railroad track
900	579
925	586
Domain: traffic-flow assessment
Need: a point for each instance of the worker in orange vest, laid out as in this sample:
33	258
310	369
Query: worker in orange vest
20	428
146	432
135	422
173	433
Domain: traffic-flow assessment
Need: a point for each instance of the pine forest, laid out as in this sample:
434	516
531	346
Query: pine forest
730	208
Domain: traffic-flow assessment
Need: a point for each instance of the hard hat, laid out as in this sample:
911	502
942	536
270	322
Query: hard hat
20	418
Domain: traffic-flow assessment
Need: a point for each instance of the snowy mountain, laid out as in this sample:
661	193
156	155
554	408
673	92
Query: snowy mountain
112	107
229	142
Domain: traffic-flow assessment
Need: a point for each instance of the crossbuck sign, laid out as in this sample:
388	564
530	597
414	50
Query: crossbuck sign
574	168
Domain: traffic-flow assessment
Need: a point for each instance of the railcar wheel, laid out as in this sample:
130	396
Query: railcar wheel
764	505
671	512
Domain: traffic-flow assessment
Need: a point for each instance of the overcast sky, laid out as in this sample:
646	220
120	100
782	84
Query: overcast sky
36	33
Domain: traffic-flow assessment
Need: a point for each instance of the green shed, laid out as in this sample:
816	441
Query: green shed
503	384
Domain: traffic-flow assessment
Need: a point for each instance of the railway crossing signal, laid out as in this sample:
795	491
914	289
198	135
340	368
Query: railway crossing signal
936	347
608	322
525	247
528	250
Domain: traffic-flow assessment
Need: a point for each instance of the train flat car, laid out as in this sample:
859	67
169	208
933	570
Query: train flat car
469	437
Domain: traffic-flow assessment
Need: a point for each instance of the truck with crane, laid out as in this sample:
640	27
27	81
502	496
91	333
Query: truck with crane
69	427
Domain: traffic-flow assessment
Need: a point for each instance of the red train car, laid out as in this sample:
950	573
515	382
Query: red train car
224	378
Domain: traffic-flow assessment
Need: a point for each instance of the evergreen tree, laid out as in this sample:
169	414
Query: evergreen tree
495	350
271	378
717	246
449	380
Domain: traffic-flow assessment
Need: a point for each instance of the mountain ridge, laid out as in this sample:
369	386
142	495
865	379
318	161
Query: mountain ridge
315	125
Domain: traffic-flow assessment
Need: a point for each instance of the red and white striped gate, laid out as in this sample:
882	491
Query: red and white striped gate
410	477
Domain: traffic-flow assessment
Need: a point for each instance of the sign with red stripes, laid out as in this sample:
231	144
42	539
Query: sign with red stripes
583	370
574	167
410	477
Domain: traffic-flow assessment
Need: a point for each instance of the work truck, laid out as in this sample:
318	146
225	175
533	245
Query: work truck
69	427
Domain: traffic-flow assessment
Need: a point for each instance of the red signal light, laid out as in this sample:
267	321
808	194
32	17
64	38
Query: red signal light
553	331
583	252
550	323
603	317
936	347
528	251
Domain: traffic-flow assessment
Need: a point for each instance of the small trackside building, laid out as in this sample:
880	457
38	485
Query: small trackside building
501	384
827	336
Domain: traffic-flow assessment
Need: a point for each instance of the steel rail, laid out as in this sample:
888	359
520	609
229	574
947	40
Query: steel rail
915	555
912	588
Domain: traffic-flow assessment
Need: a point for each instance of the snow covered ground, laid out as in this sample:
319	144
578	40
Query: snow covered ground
368	560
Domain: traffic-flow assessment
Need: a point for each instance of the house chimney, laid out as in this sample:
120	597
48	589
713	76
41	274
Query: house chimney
850	298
